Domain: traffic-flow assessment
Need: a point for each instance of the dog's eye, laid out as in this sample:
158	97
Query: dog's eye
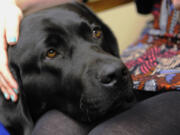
51	53
97	33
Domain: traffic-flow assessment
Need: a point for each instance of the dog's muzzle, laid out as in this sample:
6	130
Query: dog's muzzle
111	88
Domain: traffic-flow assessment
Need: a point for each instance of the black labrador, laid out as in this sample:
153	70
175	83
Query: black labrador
66	59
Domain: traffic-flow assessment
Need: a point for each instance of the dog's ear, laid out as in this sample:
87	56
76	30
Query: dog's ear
16	74
16	112
110	43
21	108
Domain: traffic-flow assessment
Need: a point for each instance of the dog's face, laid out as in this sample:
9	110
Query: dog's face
67	59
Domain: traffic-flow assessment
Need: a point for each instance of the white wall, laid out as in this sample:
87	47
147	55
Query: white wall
125	23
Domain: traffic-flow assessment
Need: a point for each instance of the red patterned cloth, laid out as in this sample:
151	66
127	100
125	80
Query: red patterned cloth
154	60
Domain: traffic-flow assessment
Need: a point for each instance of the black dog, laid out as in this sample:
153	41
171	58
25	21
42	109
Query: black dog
66	59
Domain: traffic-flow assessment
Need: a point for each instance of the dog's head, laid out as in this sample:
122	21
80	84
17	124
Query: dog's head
67	59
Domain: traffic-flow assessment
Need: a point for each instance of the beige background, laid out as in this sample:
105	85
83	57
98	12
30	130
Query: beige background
125	22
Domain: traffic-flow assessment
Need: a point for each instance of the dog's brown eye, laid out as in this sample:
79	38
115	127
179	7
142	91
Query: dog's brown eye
51	53
97	33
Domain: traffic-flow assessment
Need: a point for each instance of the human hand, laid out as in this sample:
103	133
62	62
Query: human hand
176	4
10	17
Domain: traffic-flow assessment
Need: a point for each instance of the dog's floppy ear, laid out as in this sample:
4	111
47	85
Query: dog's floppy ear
13	59
16	74
17	112
110	43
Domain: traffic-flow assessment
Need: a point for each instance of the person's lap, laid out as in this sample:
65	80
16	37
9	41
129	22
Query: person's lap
158	115
56	123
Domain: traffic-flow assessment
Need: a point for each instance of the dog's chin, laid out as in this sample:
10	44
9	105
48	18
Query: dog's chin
100	110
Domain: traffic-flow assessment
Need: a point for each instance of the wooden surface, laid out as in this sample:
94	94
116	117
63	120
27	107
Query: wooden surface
101	5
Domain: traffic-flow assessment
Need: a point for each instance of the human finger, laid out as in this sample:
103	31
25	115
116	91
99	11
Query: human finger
7	81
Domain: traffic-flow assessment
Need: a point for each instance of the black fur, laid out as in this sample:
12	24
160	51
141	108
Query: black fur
86	80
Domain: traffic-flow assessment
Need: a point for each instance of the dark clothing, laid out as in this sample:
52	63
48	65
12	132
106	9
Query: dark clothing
145	6
158	115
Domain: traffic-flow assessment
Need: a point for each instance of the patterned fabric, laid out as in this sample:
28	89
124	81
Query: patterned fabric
154	60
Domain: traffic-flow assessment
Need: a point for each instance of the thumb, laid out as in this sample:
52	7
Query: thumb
12	24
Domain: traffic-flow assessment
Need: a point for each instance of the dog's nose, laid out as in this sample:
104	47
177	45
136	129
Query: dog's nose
110	74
